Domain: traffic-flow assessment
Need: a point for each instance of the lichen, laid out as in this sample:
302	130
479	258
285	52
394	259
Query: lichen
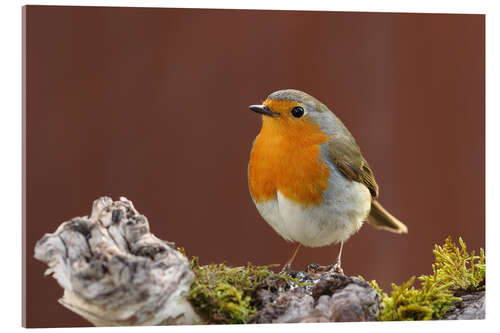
454	271
225	295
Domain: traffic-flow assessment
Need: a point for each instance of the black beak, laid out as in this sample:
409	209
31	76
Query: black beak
262	109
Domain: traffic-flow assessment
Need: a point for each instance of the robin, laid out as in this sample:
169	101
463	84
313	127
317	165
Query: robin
307	175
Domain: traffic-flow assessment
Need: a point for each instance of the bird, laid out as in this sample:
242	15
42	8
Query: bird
308	178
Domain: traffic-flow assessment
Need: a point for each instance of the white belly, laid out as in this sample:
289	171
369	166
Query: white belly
345	206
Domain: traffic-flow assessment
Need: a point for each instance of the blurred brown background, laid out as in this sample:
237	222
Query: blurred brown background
151	104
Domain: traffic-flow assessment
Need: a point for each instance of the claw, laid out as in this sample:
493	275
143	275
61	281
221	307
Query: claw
288	265
286	268
337	269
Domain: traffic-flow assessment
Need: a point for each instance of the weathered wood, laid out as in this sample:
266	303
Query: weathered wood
331	297
115	272
472	306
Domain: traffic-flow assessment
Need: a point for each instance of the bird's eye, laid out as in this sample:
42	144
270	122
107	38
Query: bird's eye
297	112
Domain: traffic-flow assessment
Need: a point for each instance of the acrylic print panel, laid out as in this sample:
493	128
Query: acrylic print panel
152	104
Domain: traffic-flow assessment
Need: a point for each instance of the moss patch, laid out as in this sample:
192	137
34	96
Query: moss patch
454	272
225	295
408	303
457	269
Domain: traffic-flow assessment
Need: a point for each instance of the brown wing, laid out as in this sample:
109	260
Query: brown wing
346	155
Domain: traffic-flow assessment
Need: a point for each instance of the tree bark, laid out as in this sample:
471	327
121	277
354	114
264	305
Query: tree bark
331	297
114	272
472	306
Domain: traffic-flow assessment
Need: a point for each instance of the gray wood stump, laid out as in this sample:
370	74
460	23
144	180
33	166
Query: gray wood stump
115	272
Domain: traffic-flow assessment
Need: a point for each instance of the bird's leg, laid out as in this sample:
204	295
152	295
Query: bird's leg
288	264
337	267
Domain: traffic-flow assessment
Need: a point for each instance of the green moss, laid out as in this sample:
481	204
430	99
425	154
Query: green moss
455	270
408	303
225	294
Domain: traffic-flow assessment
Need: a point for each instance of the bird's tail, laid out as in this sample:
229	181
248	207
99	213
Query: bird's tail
382	219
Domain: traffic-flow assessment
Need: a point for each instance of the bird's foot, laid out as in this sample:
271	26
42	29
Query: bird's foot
315	268
287	268
337	269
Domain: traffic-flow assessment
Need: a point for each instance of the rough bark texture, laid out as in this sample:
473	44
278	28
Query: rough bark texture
115	272
333	297
472	306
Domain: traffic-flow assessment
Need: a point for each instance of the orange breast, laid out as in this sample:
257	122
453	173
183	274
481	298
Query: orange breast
285	157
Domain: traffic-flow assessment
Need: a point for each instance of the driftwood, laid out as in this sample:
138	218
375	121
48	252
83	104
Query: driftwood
330	297
472	306
114	272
